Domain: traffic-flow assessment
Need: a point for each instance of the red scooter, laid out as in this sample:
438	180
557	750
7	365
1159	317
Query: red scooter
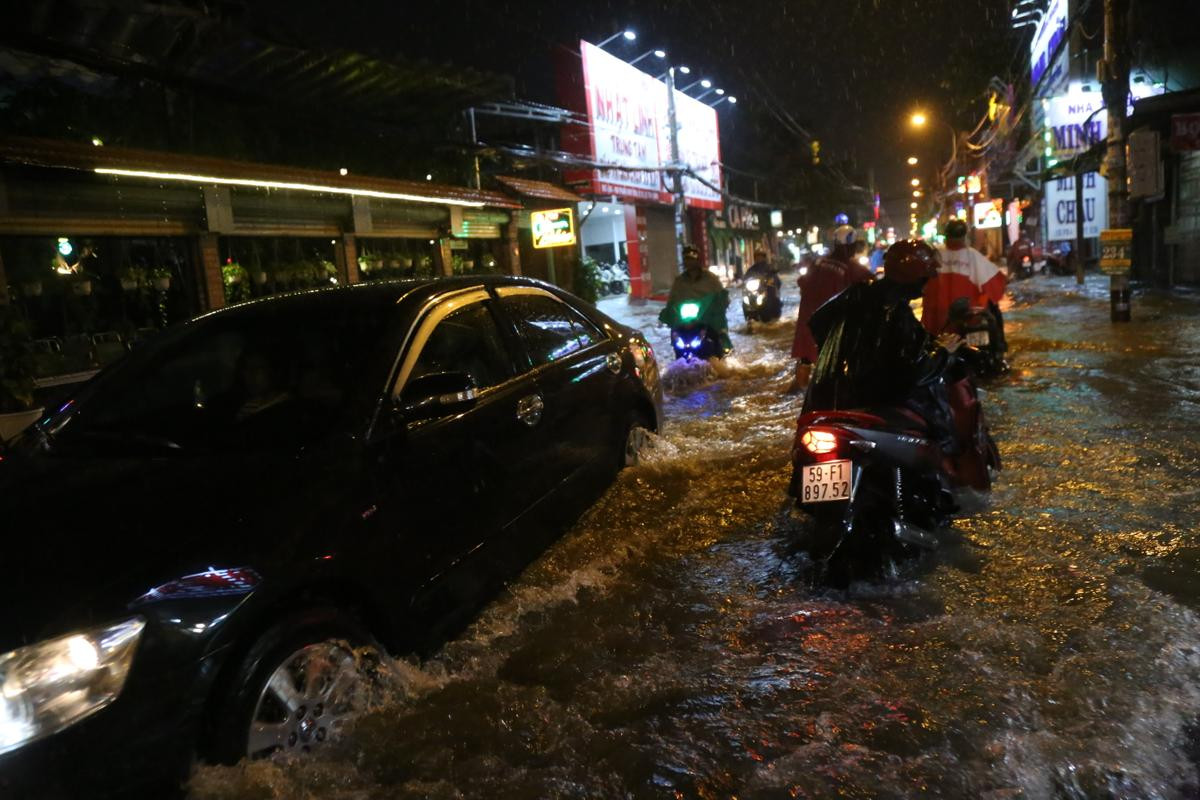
877	484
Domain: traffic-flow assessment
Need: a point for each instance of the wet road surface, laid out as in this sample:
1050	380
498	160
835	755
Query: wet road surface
670	645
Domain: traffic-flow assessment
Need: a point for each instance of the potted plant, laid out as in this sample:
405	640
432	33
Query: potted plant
17	409
161	278
131	277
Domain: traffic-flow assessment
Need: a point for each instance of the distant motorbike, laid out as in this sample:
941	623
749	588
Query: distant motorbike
618	278
696	329
761	301
877	484
980	329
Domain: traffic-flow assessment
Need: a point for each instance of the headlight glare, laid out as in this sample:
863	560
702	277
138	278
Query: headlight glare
753	284
51	685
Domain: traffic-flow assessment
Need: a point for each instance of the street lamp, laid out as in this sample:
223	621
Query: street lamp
916	181
730	98
912	161
704	83
680	70
703	95
918	119
917	193
628	34
647	54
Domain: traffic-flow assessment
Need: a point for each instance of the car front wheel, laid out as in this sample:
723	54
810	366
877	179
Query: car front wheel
298	687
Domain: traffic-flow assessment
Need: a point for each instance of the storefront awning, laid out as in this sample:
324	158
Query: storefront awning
155	165
538	190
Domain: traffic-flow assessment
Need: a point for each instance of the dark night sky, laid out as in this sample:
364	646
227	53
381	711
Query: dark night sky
848	71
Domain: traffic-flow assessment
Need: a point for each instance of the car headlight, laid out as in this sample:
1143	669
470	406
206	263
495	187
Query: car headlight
51	685
753	284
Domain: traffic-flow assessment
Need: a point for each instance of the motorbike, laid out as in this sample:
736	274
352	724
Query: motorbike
877	484
618	278
980	329
760	299
696	327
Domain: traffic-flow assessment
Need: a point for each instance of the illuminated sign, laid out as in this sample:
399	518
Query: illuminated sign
1060	207
1051	32
974	184
989	215
1075	123
628	119
776	219
553	228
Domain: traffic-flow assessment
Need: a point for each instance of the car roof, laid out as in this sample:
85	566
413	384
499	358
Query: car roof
373	295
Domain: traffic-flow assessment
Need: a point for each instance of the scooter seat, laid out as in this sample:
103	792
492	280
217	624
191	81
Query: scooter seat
901	419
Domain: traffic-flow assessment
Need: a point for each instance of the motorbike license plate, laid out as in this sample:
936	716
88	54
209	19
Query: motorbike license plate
978	338
826	482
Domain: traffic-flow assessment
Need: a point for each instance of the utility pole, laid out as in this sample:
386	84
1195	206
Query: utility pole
676	169
1115	82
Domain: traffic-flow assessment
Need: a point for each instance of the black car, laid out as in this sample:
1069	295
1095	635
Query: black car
198	541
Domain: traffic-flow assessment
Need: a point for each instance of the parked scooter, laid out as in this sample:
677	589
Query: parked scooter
761	301
878	485
695	329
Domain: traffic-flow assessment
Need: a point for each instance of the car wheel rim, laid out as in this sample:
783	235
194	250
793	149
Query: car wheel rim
306	701
634	443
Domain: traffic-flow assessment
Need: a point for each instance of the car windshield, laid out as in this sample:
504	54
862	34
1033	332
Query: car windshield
276	376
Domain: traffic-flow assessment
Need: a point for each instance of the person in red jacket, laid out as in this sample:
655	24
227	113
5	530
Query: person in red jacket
826	278
962	272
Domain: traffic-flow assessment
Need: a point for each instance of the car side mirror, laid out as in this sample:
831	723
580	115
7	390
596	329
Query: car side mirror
438	394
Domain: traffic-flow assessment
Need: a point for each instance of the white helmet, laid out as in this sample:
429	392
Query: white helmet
844	234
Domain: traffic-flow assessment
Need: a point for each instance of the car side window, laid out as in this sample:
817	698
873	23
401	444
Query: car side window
467	340
550	329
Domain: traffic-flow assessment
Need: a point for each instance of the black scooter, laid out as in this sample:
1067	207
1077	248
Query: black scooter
877	484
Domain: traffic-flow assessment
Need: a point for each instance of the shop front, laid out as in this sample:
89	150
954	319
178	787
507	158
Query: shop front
100	247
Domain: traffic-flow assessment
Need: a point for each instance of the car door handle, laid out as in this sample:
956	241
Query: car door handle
613	362
530	408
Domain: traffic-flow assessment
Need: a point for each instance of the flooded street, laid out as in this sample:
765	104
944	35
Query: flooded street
670	645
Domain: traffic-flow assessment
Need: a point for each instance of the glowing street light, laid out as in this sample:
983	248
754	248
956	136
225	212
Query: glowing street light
918	119
917	193
660	54
912	205
916	181
628	34
912	161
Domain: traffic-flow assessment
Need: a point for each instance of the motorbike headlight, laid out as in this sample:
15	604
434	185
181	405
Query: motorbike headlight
51	685
689	311
803	271
753	284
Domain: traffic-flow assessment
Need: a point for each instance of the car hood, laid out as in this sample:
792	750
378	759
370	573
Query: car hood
83	537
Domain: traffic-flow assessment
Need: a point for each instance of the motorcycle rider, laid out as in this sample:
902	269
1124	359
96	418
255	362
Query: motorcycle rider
823	280
697	282
963	272
761	268
875	354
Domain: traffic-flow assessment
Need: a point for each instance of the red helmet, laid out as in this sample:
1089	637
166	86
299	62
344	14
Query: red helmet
910	261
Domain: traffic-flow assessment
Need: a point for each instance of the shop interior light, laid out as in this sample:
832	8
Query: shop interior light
300	187
912	161
916	181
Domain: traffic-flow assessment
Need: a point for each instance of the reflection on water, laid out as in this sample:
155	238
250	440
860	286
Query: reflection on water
670	645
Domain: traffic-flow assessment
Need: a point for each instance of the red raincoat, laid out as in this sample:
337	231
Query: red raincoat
825	279
963	272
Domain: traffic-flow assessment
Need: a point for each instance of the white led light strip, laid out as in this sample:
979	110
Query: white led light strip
303	187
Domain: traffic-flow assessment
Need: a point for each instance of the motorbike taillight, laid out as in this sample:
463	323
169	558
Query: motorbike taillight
819	442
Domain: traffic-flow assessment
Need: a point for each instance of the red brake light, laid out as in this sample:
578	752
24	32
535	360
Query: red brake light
819	443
